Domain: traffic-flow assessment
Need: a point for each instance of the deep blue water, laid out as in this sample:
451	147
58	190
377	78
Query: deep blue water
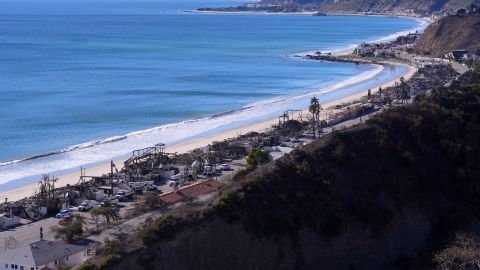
75	74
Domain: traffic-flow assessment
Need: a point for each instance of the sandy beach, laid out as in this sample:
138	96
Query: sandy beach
250	12
72	178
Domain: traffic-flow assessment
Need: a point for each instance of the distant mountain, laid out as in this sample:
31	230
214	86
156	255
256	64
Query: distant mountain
381	6
450	33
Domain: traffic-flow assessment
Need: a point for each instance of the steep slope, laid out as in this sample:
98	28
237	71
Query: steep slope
449	33
394	5
384	195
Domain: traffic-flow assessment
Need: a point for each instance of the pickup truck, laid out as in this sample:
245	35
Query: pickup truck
124	194
87	205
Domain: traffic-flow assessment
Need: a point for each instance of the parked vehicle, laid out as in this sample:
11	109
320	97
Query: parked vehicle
151	188
208	171
87	205
113	203
176	177
124	194
63	213
65	220
225	167
173	183
138	190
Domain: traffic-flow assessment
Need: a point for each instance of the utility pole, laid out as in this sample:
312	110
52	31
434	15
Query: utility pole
111	176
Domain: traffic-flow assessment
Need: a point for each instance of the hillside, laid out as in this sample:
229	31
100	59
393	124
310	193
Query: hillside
383	195
353	6
395	5
449	33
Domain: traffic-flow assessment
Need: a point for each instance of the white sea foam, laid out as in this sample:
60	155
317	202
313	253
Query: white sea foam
103	150
422	24
118	146
420	28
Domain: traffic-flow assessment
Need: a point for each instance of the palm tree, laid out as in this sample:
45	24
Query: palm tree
314	109
79	218
109	211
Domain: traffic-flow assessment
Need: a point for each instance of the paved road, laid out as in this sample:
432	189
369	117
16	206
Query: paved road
460	68
124	228
29	233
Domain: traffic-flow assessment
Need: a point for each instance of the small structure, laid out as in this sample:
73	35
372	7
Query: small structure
44	254
364	50
456	54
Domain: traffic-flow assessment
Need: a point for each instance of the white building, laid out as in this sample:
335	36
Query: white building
43	255
363	50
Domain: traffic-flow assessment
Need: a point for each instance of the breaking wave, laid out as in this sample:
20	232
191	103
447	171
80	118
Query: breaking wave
98	151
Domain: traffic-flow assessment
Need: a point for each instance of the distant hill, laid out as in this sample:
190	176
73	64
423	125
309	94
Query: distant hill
449	33
381	6
395	5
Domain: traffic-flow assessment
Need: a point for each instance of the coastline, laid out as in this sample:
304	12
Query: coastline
201	141
249	12
217	12
97	169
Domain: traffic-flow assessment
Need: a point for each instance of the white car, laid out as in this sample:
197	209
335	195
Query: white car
225	167
208	170
86	205
172	183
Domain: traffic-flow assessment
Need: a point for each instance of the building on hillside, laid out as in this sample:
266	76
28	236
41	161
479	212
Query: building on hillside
471	57
44	254
364	50
384	52
459	55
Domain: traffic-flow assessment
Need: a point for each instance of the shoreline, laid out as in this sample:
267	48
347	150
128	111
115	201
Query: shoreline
249	12
217	12
27	190
70	177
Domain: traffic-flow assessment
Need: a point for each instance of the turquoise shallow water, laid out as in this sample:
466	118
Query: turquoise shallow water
100	82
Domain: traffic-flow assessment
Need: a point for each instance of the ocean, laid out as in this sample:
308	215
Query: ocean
81	84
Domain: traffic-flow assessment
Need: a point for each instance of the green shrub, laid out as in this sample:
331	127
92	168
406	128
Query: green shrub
257	157
162	228
240	174
109	260
87	265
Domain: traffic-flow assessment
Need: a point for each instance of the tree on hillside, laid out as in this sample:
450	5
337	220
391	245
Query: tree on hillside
80	219
464	253
211	157
314	109
71	231
150	201
257	157
109	211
